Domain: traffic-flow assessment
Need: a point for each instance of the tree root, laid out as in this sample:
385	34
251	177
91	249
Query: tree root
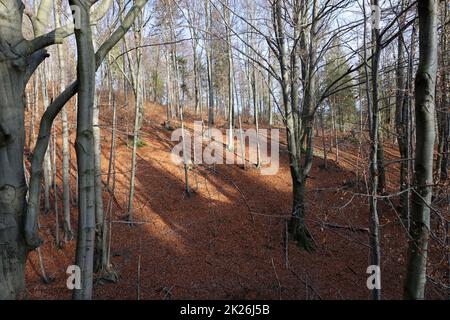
300	234
107	275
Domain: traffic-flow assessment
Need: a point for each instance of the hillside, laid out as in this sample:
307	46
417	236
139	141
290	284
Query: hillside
227	241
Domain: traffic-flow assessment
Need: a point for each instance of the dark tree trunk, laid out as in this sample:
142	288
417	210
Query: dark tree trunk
15	69
443	115
401	124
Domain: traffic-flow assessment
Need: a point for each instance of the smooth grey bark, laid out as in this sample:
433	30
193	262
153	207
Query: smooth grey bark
136	129
16	67
155	76
42	72
68	233
84	146
99	214
55	190
32	133
169	92
99	262
256	118
107	232
112	150
269	97
136	83
67	226
31	126
13	188
425	139
179	100
39	24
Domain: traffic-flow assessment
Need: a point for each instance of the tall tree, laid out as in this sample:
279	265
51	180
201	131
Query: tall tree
402	119
85	150
425	87
68	235
374	129
443	112
209	66
227	15
135	66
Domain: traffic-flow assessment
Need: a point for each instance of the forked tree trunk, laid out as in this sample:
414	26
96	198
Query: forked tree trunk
299	128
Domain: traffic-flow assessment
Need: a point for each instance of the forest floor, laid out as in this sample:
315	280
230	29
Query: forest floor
227	240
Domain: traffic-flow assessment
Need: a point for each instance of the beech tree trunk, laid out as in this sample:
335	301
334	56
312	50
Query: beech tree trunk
425	133
299	126
16	67
85	151
136	83
68	235
13	188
